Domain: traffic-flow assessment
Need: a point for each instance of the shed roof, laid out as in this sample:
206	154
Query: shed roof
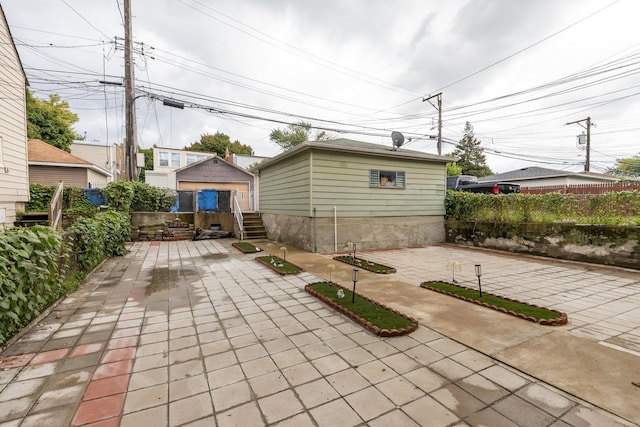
43	154
216	158
351	146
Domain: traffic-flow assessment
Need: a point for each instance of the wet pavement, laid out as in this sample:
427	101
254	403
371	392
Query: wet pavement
197	333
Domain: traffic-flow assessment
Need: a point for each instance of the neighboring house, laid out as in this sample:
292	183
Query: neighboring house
535	176
216	173
244	160
166	161
320	195
48	165
14	174
109	157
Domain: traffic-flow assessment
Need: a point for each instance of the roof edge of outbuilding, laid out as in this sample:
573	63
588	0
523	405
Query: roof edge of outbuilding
356	147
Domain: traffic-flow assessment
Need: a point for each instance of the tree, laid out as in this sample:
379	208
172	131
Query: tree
453	169
470	155
627	168
148	162
51	121
218	143
296	134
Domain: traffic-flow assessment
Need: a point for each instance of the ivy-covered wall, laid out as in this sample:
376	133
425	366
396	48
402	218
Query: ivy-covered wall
599	244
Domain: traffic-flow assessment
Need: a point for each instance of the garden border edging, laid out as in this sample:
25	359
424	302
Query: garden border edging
383	332
562	320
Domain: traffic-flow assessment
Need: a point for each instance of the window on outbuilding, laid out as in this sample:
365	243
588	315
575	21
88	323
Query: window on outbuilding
386	179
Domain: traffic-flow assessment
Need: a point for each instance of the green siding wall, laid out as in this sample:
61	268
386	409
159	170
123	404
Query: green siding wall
284	188
342	180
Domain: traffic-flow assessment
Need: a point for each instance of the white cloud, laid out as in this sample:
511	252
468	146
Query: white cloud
356	62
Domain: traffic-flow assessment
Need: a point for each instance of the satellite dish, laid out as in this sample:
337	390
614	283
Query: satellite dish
397	138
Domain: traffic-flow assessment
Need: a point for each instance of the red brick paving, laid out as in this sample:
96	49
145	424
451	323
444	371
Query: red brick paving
114	369
123	342
106	387
49	356
81	350
99	409
119	354
16	361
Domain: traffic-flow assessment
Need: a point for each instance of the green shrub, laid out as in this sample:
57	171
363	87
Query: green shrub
101	236
74	199
30	276
137	196
609	209
148	198
119	195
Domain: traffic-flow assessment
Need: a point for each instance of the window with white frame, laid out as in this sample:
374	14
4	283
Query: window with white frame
192	158
175	160
386	179
163	158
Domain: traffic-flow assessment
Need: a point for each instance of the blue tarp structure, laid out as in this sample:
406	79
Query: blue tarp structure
96	196
207	200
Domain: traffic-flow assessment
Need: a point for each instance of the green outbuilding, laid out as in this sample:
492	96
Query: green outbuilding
321	194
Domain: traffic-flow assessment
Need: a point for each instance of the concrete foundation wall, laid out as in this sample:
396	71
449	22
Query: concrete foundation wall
318	235
598	244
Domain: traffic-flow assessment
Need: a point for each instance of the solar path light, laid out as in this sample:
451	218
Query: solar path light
479	273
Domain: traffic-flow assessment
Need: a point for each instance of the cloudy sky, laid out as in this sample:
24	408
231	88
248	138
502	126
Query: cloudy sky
517	70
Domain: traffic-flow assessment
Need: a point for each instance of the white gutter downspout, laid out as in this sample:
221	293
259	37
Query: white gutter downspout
335	229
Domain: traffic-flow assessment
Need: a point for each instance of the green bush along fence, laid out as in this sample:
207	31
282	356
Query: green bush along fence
619	208
74	199
122	196
38	265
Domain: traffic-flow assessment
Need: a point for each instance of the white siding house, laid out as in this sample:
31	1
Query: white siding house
14	178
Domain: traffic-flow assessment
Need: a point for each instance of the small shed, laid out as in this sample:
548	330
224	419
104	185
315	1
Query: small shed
49	165
322	194
218	174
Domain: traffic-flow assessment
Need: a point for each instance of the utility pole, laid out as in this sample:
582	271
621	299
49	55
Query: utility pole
439	108
587	125
131	148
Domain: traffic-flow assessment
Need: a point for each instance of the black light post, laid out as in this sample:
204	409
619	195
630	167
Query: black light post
479	273
355	280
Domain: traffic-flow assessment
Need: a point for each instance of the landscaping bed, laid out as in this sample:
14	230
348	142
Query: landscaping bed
531	312
246	248
378	318
365	264
279	265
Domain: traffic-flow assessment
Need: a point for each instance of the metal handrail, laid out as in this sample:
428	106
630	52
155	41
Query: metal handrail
237	214
55	208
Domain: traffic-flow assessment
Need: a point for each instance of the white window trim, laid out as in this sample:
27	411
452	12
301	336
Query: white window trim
375	179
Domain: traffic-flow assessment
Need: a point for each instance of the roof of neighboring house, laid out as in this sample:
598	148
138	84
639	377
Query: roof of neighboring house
6	24
350	146
42	154
535	172
212	158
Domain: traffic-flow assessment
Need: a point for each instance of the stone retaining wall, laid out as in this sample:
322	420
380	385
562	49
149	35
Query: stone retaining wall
599	244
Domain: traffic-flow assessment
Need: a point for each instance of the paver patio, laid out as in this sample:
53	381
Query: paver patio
196	333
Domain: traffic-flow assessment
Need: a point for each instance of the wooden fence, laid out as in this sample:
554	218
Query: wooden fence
609	187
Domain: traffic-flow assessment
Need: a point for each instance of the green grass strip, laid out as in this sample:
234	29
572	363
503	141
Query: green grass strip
275	262
369	311
246	248
363	263
537	313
